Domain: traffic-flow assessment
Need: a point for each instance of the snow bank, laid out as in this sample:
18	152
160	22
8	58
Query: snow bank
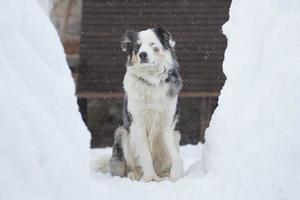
253	139
47	5
44	143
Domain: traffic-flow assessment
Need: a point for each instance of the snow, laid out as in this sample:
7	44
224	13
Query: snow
252	145
253	139
47	5
44	143
125	189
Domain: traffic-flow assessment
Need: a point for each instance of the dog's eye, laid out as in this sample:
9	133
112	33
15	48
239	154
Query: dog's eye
151	44
136	46
156	49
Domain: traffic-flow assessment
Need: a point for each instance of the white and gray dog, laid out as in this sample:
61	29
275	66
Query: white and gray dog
147	146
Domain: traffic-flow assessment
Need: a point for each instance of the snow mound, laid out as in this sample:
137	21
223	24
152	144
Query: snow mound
253	139
44	143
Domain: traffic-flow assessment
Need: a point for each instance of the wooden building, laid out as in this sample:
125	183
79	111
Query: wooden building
196	26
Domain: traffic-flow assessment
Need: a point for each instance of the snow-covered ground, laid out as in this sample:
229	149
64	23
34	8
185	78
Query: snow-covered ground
252	149
124	188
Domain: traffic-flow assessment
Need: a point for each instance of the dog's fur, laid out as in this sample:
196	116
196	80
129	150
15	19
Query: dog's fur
147	146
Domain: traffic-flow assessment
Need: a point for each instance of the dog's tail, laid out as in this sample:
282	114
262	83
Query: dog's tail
101	164
115	164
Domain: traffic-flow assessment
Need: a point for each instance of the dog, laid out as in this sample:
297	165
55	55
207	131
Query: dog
146	147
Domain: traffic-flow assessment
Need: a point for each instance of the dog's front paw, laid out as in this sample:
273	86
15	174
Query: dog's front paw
152	178
134	175
176	171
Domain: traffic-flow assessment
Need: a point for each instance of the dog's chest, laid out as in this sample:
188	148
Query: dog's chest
151	103
149	98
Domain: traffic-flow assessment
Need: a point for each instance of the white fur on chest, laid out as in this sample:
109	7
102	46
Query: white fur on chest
149	104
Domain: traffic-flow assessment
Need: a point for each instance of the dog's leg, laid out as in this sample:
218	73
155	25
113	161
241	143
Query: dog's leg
177	138
139	140
128	152
171	142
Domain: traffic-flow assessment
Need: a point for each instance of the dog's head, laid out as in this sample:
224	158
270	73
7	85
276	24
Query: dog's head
149	50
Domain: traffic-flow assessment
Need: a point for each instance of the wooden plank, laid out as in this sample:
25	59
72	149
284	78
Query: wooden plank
107	95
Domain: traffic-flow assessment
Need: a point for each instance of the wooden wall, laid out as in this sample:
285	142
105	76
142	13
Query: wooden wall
196	26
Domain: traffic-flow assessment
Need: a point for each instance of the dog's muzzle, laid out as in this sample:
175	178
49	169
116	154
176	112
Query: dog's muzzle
144	57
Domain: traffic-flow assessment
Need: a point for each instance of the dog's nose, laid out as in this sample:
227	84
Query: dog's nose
143	55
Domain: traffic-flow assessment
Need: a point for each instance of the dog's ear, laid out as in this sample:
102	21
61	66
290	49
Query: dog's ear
127	39
164	36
